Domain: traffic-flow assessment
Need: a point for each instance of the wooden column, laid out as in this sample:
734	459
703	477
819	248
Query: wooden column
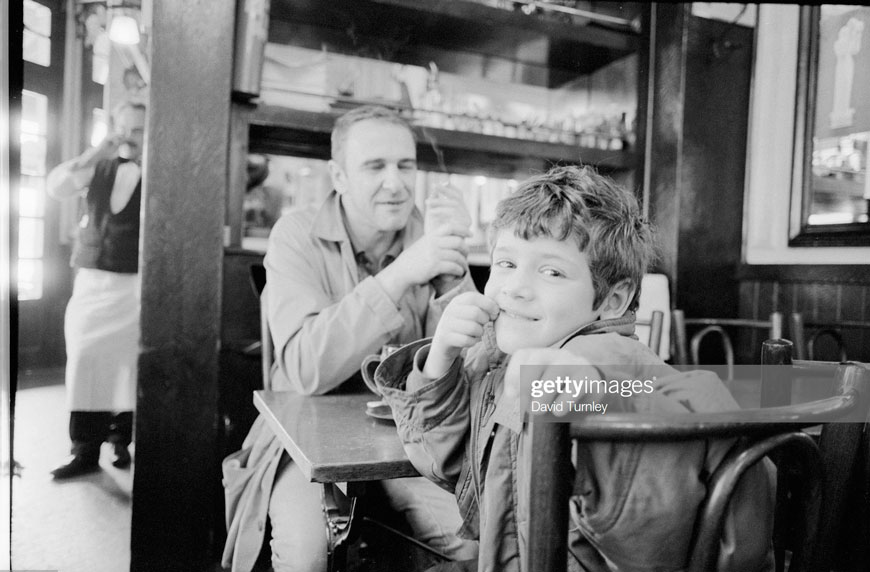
700	108
184	183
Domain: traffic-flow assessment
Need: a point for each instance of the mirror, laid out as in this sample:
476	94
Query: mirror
830	187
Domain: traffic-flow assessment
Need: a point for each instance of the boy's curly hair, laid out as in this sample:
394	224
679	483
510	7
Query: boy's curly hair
603	218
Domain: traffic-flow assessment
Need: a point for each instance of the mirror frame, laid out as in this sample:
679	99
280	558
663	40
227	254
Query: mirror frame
801	233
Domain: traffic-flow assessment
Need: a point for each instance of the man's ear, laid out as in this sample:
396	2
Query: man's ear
617	300
338	176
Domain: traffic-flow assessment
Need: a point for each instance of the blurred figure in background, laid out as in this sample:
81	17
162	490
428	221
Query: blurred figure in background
262	203
102	318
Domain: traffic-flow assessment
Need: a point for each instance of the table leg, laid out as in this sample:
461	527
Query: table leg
339	525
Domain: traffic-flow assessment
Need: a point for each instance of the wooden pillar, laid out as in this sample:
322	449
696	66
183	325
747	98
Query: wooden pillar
701	72
184	185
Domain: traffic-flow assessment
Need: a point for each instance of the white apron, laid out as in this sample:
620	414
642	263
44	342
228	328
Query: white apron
102	341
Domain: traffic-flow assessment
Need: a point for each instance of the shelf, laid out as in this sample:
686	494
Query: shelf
306	133
456	34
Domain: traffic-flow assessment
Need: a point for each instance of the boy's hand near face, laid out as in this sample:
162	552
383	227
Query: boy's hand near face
547	363
460	327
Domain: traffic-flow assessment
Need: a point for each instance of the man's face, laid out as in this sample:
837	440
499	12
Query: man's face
130	126
377	176
543	287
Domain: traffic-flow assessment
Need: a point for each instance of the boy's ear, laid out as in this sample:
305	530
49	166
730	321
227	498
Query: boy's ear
338	176
617	300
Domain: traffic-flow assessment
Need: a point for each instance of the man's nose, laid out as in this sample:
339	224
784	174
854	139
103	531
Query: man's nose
392	179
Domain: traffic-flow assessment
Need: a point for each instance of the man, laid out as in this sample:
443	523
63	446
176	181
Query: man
102	318
343	279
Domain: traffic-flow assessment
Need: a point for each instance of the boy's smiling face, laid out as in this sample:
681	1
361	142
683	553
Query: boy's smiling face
543	287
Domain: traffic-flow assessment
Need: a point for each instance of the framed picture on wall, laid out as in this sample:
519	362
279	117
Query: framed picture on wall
830	204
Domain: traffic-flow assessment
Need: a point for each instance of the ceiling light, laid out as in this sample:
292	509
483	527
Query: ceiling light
124	29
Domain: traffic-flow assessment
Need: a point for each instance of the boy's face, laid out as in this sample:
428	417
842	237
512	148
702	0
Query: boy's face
543	287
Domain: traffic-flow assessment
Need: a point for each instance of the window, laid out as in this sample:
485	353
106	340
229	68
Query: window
830	186
31	223
37	33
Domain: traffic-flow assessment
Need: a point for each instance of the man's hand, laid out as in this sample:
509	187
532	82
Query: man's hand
441	251
446	206
547	363
460	327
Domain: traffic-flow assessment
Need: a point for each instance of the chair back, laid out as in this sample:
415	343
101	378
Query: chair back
687	350
806	335
827	472
655	325
654	297
258	282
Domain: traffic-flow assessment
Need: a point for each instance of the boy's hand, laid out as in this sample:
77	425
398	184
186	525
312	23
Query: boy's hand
460	327
547	364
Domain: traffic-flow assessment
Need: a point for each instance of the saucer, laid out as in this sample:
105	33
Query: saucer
379	410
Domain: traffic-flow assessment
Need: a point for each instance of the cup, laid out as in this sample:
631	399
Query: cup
370	364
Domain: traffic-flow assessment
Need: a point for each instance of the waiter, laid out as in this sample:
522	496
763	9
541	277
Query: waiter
102	317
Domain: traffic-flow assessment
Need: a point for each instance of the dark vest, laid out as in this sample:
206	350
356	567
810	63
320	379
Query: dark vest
108	241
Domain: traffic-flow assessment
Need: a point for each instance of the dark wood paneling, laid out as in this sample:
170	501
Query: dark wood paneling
696	170
177	474
667	23
826	296
715	124
838	273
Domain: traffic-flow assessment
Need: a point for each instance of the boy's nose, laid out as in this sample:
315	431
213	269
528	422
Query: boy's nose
517	286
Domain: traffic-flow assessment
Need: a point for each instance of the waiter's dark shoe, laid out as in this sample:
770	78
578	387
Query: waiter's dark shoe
121	458
77	467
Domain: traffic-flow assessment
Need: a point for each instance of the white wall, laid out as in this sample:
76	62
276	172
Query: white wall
770	148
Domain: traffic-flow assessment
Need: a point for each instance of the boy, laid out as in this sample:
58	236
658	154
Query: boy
569	250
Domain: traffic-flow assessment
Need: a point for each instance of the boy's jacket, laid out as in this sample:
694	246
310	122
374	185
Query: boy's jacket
634	504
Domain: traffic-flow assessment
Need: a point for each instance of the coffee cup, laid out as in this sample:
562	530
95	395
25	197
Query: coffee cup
370	364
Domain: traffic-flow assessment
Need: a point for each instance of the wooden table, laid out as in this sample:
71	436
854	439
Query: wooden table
332	439
334	442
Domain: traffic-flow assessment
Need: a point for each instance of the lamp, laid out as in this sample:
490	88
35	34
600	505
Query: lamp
124	29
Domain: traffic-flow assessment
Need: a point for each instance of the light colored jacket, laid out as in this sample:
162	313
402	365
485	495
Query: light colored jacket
324	319
634	505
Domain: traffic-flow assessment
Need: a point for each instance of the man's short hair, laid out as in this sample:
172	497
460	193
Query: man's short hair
603	218
344	123
127	104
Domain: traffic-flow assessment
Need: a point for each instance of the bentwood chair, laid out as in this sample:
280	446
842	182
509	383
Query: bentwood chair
807	336
655	325
687	350
833	474
655	297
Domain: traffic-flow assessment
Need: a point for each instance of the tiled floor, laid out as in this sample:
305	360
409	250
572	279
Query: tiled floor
81	525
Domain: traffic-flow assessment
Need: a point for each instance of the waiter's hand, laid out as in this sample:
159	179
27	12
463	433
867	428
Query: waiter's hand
107	149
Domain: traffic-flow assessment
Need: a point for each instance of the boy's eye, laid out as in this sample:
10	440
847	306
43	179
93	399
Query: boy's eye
504	263
552	272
